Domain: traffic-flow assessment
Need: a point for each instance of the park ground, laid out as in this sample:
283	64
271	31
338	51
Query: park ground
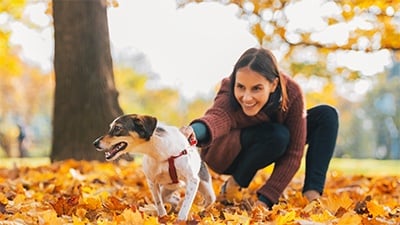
349	166
35	191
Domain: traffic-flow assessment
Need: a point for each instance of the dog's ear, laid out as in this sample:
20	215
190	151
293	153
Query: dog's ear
146	125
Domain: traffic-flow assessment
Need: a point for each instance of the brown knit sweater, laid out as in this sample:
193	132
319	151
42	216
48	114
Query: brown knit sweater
224	125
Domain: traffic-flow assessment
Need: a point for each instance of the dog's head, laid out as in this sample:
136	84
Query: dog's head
125	132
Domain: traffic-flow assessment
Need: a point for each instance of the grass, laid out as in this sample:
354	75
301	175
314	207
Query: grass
366	166
21	162
371	167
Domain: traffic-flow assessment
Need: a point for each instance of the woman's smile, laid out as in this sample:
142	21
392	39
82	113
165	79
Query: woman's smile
252	90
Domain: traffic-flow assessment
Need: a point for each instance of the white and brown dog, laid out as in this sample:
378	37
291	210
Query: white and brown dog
169	160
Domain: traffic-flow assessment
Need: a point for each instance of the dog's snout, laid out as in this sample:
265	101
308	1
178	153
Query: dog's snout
96	143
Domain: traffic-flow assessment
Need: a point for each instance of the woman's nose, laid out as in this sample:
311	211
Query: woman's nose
247	96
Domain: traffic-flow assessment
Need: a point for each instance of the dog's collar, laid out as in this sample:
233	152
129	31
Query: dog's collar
172	168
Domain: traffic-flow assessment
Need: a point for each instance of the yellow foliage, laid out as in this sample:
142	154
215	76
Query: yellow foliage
286	218
258	32
322	217
3	199
115	193
376	209
327	96
13	7
349	218
336	202
382	20
236	218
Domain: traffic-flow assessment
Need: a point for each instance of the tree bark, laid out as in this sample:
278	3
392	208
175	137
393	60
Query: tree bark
85	99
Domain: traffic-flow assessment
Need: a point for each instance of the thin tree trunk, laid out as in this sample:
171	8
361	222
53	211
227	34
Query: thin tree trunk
86	100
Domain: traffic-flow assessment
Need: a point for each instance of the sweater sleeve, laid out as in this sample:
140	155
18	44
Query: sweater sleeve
217	118
287	166
221	118
200	130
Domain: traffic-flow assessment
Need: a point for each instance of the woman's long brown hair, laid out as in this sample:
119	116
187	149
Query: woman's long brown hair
262	61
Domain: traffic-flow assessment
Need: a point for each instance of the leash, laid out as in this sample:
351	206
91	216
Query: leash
171	161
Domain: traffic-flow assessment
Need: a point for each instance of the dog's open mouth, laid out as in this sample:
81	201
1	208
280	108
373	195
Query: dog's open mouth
115	149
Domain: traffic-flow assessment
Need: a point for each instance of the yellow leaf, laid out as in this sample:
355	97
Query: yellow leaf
92	203
258	32
3	199
325	216
77	221
19	199
286	218
334	202
151	220
237	218
375	209
50	218
349	218
131	217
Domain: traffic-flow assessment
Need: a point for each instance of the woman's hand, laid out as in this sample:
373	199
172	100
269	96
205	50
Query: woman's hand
188	132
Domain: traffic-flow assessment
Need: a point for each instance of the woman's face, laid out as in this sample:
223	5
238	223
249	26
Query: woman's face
252	90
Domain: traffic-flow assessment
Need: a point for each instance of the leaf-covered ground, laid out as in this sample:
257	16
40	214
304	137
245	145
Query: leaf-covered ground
81	192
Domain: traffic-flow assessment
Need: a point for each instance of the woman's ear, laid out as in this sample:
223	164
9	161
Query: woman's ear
274	85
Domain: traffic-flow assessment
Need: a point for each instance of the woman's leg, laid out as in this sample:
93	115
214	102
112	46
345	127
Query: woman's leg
322	130
261	145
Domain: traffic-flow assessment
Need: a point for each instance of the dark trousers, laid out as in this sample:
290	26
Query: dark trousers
263	144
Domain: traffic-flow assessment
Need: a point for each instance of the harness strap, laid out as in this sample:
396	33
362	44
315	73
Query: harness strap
172	168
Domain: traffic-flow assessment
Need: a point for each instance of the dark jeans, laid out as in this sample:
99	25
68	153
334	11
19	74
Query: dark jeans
263	144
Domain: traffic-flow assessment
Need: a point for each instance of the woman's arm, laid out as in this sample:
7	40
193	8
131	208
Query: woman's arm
221	118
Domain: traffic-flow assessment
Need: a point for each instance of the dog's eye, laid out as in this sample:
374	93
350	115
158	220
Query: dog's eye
116	131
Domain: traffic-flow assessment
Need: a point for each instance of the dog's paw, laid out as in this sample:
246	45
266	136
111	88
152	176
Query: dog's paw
173	200
165	219
149	209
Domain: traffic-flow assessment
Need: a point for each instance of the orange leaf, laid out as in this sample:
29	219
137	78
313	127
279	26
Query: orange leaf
375	209
66	205
349	218
114	203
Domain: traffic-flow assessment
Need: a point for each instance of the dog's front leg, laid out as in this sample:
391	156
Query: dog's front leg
190	194
156	193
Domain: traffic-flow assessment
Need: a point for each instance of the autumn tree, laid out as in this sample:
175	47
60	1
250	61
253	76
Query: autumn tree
25	90
85	95
332	27
10	66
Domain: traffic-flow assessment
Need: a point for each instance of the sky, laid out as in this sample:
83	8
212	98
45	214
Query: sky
189	48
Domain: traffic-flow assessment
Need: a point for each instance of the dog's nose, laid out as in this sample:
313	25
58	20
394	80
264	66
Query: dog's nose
96	143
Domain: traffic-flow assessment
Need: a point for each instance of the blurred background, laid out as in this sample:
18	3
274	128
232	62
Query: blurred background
168	57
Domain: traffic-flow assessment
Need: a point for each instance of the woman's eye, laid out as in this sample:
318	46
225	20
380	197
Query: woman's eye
257	88
239	86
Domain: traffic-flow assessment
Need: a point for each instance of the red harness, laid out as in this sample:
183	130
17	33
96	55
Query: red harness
172	168
171	161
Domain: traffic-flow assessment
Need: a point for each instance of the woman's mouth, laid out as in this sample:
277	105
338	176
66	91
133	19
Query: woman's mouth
249	105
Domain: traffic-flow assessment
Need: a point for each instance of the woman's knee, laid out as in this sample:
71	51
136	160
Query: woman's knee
328	115
271	135
281	138
277	138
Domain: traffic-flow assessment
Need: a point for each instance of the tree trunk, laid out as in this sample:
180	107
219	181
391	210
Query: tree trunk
86	99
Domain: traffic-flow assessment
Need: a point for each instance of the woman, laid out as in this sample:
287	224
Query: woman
258	118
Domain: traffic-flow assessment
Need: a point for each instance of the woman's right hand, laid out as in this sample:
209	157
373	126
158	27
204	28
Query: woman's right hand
188	132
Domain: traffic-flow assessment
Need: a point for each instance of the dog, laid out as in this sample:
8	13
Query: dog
169	160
